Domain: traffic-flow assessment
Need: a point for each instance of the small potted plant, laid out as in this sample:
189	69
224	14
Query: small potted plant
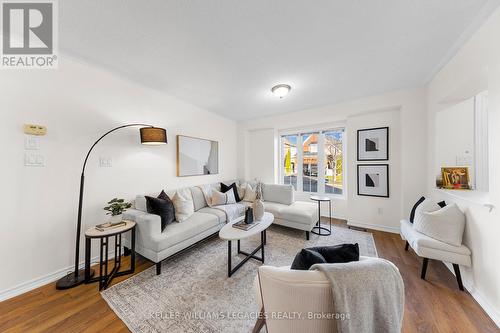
115	208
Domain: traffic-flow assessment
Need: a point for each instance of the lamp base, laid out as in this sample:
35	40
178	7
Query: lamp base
70	281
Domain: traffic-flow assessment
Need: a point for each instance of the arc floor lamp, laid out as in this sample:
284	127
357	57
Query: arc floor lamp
150	135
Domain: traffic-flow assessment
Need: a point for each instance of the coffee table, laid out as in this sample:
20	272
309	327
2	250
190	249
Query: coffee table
229	233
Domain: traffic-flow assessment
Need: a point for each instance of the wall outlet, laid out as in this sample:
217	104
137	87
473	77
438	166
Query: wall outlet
31	142
34	159
105	162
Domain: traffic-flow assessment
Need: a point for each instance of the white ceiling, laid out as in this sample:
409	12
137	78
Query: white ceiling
225	55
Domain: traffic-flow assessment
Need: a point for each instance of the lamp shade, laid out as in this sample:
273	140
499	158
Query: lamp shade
153	136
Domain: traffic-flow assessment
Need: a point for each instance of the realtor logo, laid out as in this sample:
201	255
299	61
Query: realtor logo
28	34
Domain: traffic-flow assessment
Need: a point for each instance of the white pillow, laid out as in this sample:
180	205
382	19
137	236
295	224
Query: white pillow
426	206
219	198
241	190
250	193
446	224
183	205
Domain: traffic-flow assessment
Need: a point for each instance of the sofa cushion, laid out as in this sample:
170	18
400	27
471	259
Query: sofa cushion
274	208
178	232
299	212
140	203
250	193
198	198
282	194
446	225
214	211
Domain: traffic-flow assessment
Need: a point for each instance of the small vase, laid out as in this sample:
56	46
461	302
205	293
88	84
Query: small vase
258	210
116	218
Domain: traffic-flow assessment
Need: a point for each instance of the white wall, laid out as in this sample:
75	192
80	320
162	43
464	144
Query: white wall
403	110
476	67
78	103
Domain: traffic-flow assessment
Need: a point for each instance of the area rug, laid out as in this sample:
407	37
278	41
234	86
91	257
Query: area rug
194	294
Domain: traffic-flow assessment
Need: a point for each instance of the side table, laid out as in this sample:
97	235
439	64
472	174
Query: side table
105	276
318	229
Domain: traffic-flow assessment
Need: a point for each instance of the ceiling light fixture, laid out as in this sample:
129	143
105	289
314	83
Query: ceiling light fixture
281	90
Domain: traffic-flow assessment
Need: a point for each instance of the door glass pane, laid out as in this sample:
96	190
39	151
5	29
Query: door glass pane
333	161
289	148
310	162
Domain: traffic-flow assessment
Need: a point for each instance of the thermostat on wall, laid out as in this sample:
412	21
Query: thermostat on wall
35	129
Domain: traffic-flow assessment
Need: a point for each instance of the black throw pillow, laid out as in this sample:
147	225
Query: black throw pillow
338	253
224	188
412	214
162	207
306	258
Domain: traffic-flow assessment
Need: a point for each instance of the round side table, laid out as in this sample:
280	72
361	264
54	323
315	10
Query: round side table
318	229
105	277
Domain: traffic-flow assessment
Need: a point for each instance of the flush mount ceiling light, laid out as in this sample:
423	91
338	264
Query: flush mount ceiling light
281	90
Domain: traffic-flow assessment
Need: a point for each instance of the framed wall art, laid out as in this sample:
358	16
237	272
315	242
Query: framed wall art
373	144
373	180
196	156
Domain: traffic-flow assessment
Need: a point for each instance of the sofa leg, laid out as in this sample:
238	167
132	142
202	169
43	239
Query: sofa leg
456	268
424	268
307	235
406	246
158	268
126	251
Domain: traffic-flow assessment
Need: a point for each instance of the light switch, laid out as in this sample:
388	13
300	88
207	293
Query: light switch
105	162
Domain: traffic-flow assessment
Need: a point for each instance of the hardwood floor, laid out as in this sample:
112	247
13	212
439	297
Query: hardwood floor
434	305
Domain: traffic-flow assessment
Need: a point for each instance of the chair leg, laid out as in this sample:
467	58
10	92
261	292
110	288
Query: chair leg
158	268
424	268
260	322
307	235
406	246
456	268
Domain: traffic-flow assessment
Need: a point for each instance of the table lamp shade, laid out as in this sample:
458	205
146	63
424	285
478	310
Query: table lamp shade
153	136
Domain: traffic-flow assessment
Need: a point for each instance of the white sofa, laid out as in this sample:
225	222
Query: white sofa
156	245
430	248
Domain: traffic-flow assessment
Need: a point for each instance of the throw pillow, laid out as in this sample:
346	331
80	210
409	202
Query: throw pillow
426	206
338	253
224	188
183	205
219	198
306	258
412	213
250	194
241	190
446	224
163	207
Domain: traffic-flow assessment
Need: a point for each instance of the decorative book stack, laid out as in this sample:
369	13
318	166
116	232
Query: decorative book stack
110	225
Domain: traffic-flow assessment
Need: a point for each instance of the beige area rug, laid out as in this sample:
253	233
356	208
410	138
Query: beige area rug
194	294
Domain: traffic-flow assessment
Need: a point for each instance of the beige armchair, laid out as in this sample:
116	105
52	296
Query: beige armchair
289	296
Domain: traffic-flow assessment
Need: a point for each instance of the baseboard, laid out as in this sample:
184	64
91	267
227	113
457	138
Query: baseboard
394	230
43	280
480	299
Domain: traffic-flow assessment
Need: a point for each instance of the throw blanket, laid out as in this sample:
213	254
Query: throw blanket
370	292
232	211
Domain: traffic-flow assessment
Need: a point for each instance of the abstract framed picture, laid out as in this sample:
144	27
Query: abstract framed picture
455	178
373	144
196	157
373	180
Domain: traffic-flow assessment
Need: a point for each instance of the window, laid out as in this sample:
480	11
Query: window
317	157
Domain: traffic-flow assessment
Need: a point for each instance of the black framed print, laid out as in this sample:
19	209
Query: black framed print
373	144
373	180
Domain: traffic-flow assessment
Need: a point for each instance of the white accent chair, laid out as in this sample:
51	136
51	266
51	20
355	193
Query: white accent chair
287	292
430	248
